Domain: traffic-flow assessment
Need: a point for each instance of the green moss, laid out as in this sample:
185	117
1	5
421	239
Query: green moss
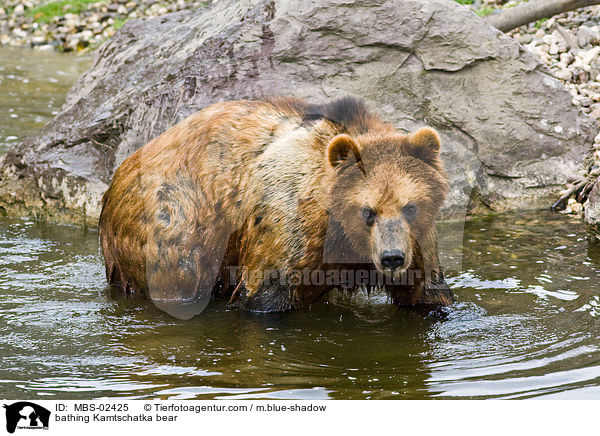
47	11
538	24
484	11
118	23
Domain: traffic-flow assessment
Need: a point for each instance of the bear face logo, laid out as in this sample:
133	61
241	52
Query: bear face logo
24	414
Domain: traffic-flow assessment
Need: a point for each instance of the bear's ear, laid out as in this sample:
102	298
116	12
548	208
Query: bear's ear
425	145
340	147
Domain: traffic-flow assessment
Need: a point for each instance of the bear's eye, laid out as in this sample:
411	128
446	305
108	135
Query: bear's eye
368	215
410	212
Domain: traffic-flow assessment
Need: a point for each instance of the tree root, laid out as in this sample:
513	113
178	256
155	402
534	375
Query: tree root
580	189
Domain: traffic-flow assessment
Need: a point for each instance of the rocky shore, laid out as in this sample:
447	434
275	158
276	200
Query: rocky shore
569	44
79	25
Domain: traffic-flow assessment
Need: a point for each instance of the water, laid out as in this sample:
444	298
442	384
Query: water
526	324
33	86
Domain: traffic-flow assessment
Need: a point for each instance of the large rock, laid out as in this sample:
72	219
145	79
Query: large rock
510	133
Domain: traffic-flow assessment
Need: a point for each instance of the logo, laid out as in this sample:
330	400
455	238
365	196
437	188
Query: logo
26	415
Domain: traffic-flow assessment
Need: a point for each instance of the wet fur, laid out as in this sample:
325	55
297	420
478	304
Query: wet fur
248	183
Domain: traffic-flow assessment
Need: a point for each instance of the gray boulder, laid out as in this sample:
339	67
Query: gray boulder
511	135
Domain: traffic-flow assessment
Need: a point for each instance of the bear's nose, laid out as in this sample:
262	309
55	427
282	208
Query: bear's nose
392	259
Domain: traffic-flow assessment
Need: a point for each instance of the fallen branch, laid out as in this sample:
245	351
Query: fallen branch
574	189
585	192
533	10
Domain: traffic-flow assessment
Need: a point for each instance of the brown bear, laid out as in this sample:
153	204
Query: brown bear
273	203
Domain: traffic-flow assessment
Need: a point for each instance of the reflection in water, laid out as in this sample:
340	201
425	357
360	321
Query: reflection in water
33	86
526	324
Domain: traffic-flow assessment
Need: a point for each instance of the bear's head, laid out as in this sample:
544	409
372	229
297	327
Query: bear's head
385	192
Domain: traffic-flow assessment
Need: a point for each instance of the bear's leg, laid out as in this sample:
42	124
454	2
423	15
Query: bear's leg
410	289
423	281
264	282
263	288
436	290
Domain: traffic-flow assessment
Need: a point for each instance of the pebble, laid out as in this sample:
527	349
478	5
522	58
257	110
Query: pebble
595	110
526	39
566	58
584	37
563	74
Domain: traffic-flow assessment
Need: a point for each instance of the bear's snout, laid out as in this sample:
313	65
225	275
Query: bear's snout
391	246
392	259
